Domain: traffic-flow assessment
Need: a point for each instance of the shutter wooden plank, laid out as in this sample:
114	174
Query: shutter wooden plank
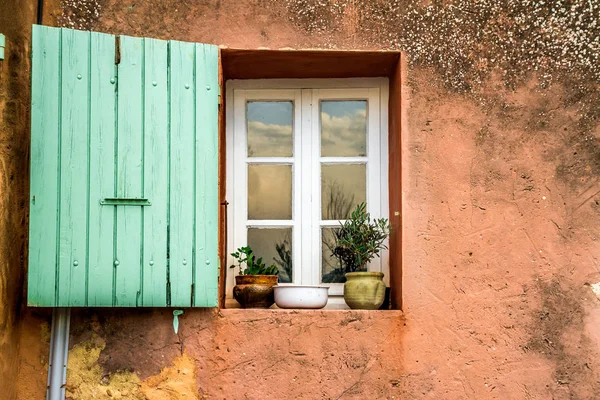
102	169
155	173
129	172
45	134
206	272
182	190
74	168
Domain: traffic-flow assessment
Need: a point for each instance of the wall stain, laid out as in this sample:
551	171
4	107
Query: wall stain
557	333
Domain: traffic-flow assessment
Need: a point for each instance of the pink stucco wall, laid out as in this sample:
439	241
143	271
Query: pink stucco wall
501	213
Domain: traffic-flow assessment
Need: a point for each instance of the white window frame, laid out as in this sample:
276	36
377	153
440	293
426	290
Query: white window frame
306	94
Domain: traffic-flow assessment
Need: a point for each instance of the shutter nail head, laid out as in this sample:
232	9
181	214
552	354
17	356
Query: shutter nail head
208	88
79	76
112	80
75	263
187	86
154	83
207	262
151	263
184	262
116	262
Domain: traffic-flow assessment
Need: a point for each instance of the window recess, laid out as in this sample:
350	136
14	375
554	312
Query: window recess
301	155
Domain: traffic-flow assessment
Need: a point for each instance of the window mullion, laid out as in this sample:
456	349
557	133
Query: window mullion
344	160
239	202
297	248
316	187
383	171
373	174
305	221
269	160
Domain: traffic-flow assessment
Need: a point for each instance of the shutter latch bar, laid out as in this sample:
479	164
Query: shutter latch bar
113	201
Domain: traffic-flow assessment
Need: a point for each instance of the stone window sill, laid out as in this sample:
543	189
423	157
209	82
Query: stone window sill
349	316
335	303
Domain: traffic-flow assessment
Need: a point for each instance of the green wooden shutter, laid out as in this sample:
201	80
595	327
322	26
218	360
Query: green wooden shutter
124	171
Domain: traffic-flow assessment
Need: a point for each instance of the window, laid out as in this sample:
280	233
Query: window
301	155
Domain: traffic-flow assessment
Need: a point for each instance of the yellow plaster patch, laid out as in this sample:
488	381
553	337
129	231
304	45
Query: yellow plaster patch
85	380
177	382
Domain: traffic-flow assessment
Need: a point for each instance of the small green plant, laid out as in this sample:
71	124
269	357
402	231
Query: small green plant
254	266
360	239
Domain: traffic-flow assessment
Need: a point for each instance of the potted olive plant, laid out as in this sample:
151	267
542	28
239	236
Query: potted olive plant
358	241
254	284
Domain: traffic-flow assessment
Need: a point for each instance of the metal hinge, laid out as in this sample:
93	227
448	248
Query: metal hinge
192	296
113	201
117	50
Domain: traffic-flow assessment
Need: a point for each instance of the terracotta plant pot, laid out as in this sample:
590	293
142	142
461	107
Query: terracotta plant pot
364	290
255	291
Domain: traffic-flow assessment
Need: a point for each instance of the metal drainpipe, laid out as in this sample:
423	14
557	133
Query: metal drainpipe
59	350
61	321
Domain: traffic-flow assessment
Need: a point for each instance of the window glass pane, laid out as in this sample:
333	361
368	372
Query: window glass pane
274	245
331	266
343	128
269	191
270	128
343	186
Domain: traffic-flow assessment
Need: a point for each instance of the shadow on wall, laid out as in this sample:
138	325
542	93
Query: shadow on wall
14	134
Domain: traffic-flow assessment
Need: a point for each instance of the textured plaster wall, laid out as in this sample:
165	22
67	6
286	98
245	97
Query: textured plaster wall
15	18
501	218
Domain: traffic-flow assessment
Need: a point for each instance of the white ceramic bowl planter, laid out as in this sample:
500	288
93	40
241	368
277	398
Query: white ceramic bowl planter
311	297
